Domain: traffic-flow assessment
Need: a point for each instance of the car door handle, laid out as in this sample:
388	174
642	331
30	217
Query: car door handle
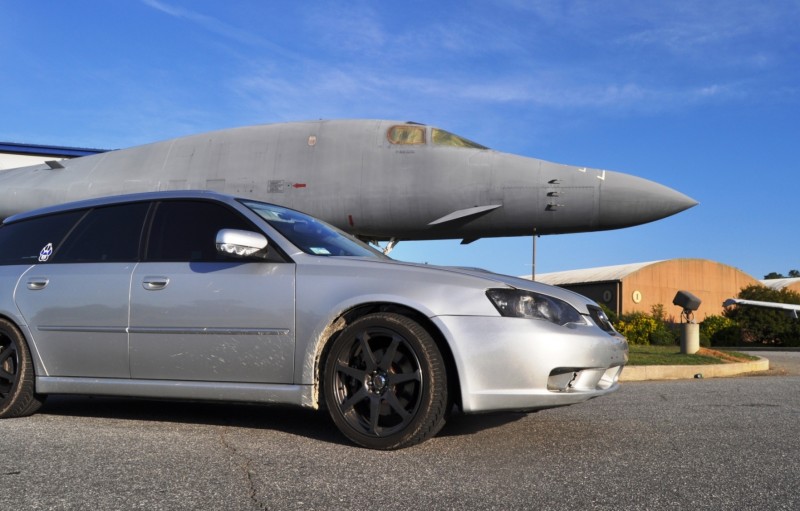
37	283
155	283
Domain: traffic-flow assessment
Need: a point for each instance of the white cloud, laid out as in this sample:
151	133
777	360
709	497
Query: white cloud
220	28
348	28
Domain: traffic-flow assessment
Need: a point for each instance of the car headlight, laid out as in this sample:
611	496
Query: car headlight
517	303
601	319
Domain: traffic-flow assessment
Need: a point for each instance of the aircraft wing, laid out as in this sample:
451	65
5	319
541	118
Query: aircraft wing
791	309
464	213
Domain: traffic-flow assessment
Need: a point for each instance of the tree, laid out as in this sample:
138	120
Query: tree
775	275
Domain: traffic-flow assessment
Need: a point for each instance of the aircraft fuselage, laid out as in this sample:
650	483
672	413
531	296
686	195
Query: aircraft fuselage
376	179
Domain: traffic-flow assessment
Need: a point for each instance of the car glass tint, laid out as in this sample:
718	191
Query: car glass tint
109	234
187	231
34	240
309	234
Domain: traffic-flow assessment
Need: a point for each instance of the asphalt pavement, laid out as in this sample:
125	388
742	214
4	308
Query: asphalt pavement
727	443
780	362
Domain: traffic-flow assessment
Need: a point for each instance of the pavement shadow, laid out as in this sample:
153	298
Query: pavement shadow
288	419
460	424
314	424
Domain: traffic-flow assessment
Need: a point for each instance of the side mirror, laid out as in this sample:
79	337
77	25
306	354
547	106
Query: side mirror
242	244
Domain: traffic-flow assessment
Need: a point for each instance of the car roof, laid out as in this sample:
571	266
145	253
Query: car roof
119	199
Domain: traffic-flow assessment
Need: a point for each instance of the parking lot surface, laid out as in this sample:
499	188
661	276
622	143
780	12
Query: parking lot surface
693	444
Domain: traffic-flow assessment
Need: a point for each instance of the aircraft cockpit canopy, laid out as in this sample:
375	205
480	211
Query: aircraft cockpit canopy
407	134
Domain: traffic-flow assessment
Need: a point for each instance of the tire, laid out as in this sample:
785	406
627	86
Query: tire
17	396
385	382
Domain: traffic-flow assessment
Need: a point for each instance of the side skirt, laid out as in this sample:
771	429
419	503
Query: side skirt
300	395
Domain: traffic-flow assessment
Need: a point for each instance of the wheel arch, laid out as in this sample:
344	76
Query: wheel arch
21	398
350	315
19	323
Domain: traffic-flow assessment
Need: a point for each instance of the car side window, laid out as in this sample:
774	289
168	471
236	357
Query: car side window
35	240
187	231
107	234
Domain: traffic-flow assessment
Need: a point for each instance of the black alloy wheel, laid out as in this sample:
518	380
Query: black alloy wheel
385	382
17	396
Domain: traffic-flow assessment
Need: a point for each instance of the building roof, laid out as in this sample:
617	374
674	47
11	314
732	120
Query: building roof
584	276
778	284
47	150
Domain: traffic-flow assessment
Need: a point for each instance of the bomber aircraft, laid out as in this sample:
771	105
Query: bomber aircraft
380	180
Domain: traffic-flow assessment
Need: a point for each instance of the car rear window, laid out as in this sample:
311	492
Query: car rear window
34	240
105	235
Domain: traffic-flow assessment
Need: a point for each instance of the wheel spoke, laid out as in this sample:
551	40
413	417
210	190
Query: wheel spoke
353	372
369	357
6	353
397	379
374	414
354	400
388	356
395	404
6	376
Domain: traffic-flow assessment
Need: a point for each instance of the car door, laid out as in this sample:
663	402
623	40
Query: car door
197	315
75	297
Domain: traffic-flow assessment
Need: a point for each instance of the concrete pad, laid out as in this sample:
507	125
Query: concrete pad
642	373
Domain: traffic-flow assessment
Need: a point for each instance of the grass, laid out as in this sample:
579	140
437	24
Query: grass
671	355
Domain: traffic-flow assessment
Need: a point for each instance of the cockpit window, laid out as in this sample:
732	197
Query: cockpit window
406	135
445	138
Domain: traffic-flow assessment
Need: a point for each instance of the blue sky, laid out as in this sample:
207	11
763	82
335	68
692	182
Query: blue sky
702	96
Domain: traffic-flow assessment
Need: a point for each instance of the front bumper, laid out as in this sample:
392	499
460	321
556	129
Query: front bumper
528	364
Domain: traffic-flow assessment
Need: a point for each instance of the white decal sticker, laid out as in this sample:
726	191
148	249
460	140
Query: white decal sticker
46	252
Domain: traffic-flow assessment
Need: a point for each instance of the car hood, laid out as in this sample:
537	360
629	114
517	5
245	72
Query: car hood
577	300
491	279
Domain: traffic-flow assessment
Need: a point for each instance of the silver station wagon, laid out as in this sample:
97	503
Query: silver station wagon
202	296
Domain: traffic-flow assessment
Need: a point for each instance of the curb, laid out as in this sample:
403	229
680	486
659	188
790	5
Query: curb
643	373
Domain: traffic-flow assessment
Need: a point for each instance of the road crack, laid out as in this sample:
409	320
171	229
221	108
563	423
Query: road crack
245	467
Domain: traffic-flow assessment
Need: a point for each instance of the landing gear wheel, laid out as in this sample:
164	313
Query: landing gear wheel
385	382
17	396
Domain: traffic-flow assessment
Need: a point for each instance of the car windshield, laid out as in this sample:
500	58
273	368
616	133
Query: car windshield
311	235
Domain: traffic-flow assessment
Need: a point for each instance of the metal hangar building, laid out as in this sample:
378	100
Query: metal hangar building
638	287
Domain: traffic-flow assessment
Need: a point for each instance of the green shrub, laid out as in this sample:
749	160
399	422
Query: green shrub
720	331
636	327
644	329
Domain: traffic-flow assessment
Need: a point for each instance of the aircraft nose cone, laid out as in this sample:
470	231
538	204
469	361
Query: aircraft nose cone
627	200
